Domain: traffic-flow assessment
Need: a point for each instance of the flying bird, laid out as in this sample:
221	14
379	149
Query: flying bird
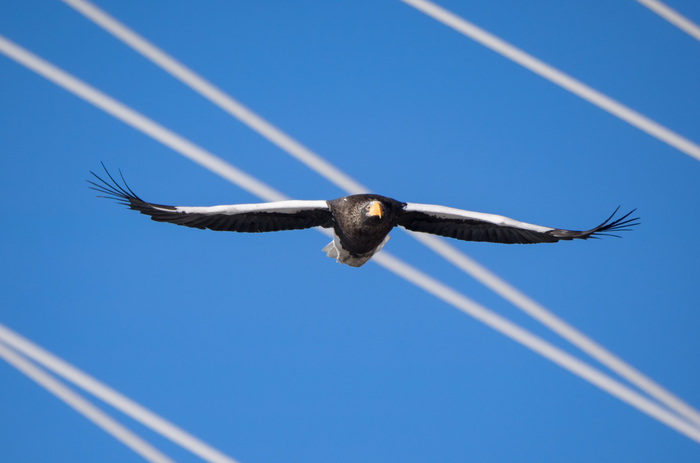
360	223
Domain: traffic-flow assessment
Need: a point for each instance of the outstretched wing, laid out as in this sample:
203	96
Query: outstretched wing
247	218
475	226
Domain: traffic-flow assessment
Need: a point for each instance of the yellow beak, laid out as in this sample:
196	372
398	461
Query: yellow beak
375	209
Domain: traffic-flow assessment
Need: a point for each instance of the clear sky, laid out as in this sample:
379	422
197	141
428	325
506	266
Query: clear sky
269	351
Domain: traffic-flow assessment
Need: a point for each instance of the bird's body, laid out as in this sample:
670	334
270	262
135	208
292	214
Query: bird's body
358	232
361	223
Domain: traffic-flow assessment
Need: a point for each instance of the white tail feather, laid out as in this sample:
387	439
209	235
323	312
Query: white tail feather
335	250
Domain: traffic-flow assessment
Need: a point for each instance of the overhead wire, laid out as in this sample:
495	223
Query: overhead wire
557	77
84	407
109	396
402	269
351	186
215	95
672	16
561	327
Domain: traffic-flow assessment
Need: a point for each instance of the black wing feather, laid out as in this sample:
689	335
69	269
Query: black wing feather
471	230
618	225
248	222
479	230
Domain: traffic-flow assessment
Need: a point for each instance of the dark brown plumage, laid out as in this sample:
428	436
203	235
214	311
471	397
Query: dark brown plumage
359	232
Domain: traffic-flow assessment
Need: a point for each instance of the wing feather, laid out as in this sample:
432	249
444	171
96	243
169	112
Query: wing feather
476	226
245	218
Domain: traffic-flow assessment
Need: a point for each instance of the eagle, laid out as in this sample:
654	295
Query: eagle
361	223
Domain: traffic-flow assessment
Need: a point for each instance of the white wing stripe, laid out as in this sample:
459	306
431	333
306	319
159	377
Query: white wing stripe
442	212
280	207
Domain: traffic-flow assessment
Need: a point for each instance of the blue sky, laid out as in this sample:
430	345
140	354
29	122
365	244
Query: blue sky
269	351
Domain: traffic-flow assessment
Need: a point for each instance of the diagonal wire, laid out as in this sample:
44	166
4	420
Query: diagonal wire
535	343
82	406
110	396
561	327
215	95
412	275
674	17
325	169
400	268
554	75
137	121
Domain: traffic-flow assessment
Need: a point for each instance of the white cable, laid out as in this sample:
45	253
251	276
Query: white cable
322	167
82	406
559	326
400	268
112	397
556	76
138	121
410	274
536	344
674	17
215	95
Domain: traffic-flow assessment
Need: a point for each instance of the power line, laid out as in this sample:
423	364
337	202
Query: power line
138	121
340	179
85	408
554	75
112	397
536	344
559	326
389	262
216	96
674	17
